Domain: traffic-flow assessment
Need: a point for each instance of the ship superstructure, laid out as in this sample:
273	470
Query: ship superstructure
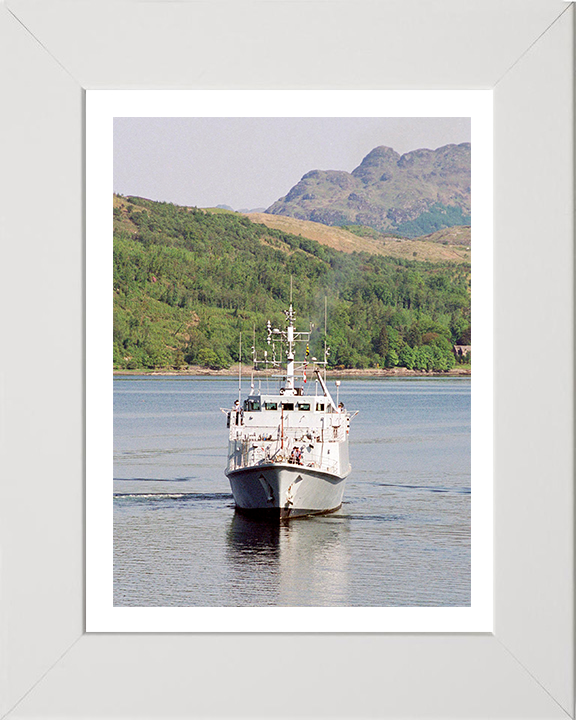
288	450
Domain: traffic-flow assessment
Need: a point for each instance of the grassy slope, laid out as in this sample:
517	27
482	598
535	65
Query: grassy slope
429	248
448	245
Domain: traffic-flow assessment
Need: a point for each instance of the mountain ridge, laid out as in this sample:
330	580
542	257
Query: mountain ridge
413	194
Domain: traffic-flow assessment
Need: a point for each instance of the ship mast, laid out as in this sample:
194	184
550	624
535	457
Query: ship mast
325	334
240	370
290	340
290	354
288	337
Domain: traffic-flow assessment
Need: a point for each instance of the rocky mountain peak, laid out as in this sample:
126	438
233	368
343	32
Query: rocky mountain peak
413	194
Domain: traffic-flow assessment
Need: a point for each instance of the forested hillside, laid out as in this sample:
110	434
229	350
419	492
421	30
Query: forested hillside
187	282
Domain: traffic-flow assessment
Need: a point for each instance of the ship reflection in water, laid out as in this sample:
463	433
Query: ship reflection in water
285	564
253	540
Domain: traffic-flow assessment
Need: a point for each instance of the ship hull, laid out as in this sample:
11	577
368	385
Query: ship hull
282	491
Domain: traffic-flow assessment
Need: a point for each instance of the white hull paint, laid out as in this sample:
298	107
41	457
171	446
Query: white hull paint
283	490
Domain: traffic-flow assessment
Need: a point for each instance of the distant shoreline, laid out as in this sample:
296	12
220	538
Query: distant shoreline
198	371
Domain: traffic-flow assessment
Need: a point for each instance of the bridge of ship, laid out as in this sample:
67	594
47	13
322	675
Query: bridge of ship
269	428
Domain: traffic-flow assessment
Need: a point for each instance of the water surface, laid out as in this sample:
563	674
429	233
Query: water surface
401	538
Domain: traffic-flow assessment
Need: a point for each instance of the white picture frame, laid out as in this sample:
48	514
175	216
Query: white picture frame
56	49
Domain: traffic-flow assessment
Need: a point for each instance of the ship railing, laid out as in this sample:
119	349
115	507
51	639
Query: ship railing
250	449
244	462
324	466
331	467
332	433
250	454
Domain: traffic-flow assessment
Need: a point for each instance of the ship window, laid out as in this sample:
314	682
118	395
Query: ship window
270	406
319	407
304	406
253	405
288	406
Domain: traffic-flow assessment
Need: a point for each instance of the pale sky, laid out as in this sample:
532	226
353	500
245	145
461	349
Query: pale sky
252	162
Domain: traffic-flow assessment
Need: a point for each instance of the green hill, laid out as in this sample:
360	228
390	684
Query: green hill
188	281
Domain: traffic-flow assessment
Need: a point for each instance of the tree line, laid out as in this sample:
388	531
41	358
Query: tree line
188	281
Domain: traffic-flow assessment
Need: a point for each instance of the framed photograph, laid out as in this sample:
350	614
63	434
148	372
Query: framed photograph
63	640
446	587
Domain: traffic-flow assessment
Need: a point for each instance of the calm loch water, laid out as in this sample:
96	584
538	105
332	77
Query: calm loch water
401	538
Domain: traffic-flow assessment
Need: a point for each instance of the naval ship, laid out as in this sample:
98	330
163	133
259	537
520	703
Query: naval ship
288	449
